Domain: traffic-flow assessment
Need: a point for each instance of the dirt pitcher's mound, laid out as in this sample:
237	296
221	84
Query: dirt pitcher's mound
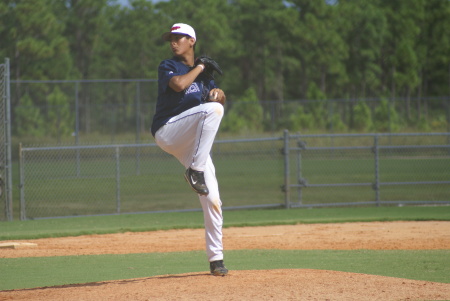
246	285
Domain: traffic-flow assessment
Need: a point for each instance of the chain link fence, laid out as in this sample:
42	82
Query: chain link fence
367	169
75	112
6	210
85	151
290	171
92	180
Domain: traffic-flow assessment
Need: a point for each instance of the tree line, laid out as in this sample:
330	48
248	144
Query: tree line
277	50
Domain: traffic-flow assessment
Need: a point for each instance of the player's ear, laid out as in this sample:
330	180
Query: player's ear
192	41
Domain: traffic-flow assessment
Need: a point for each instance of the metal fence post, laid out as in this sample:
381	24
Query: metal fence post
23	215
117	180
448	120
300	181
77	126
8	166
5	137
286	170
376	185
138	127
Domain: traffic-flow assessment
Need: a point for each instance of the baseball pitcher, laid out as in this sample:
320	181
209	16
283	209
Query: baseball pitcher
188	114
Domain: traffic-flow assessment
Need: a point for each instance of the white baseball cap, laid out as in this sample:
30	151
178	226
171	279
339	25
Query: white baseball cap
180	28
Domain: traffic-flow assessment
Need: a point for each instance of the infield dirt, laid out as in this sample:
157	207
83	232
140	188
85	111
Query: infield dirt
298	284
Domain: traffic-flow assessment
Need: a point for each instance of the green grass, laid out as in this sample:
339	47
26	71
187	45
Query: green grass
177	220
19	273
16	273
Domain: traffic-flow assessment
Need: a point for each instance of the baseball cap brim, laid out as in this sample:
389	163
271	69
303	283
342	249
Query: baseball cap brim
166	36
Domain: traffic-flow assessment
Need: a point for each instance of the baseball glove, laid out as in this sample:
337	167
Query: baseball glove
210	66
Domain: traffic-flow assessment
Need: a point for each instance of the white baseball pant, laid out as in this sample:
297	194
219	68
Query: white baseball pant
189	137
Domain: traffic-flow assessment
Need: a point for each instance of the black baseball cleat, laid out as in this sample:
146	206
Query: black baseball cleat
197	181
217	268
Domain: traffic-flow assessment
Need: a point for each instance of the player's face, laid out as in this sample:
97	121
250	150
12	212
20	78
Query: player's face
180	44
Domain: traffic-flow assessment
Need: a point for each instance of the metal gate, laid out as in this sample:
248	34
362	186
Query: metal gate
366	169
6	211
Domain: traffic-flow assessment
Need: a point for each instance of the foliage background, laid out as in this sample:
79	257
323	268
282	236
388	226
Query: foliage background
273	53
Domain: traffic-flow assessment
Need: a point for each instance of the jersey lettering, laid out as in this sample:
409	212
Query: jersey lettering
192	89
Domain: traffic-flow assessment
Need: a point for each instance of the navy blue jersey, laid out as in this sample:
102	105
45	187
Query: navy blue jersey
171	103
